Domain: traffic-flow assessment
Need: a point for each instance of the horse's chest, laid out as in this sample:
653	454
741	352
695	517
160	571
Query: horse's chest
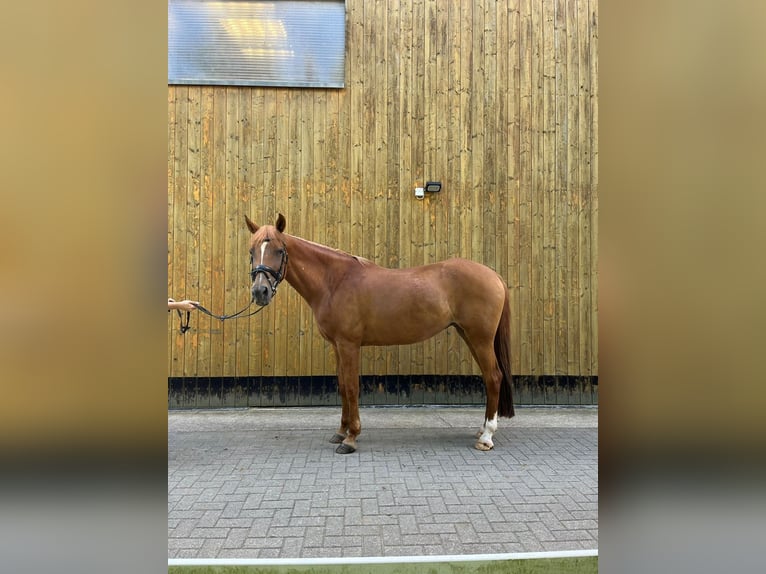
338	321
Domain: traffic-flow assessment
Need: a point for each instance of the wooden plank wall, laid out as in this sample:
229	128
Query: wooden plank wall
496	99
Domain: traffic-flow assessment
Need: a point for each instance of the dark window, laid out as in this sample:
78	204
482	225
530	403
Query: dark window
257	43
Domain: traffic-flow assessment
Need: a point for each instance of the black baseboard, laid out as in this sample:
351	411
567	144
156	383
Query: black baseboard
403	390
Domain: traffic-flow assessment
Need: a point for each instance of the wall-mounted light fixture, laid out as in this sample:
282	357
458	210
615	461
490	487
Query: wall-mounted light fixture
433	186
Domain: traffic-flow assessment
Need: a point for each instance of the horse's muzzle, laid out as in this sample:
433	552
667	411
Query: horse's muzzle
261	293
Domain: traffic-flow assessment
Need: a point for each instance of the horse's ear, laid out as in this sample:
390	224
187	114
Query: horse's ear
281	223
250	225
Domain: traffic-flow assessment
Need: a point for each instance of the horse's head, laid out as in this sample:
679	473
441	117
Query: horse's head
268	259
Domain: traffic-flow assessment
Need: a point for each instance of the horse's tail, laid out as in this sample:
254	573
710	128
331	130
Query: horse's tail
503	355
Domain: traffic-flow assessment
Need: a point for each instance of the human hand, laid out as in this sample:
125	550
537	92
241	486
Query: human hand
185	305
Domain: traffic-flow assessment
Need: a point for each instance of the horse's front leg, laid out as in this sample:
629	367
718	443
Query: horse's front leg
342	431
348	383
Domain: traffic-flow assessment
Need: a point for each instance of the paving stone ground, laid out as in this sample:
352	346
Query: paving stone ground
266	483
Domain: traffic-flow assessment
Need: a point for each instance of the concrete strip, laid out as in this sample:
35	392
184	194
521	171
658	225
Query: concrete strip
572	562
327	418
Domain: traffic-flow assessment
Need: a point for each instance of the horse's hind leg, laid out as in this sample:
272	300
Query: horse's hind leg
492	376
483	351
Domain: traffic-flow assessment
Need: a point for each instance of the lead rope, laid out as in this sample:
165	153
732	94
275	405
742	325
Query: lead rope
184	327
185	324
278	276
233	315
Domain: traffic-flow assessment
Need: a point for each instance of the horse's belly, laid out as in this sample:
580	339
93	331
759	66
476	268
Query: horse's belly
404	329
397	339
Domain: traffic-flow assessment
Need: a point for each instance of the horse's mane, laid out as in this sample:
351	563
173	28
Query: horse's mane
361	260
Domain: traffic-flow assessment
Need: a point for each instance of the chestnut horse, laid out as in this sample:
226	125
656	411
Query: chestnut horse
357	303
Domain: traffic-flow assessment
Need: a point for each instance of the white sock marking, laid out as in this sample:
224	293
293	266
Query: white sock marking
488	429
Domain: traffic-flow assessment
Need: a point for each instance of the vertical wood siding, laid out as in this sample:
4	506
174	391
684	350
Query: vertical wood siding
496	99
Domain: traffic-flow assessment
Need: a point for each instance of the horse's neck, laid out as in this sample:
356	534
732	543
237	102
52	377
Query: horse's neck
312	268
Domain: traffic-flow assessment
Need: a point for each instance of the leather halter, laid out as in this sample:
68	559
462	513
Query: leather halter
277	275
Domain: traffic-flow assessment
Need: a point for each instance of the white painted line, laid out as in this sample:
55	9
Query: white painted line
378	559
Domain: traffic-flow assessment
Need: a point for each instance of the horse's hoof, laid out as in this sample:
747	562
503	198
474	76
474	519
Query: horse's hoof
482	446
337	438
344	448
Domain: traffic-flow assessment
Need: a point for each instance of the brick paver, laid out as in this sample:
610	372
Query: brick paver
246	484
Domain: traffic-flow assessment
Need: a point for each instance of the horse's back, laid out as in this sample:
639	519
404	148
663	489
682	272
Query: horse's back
453	288
451	278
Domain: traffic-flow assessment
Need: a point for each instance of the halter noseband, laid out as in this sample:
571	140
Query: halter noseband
278	276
